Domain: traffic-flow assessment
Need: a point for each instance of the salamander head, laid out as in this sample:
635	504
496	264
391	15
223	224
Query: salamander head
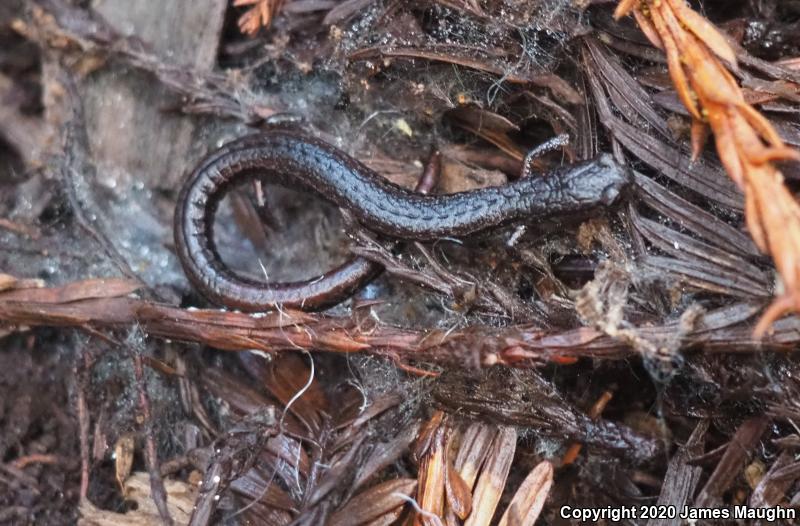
600	181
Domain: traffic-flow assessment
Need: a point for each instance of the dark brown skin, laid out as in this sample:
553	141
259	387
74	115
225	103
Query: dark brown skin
295	160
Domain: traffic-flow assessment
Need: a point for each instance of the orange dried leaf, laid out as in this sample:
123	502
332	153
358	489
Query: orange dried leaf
648	29
675	67
726	146
699	138
746	141
780	153
249	22
752	218
717	84
425	436
704	30
459	497
760	123
432	475
624	7
775	311
259	15
266	13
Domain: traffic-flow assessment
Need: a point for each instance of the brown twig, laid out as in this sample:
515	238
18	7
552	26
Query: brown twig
102	304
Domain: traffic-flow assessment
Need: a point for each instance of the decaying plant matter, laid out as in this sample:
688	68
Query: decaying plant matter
747	144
